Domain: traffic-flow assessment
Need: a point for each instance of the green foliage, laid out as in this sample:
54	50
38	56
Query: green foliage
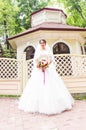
26	8
15	15
76	12
8	53
10	96
8	12
80	96
15	18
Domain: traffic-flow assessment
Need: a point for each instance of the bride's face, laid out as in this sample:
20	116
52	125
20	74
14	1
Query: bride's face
42	44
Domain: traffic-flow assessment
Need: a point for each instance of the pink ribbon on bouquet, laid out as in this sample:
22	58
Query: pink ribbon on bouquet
43	70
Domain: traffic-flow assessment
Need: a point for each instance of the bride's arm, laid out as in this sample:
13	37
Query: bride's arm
50	62
37	65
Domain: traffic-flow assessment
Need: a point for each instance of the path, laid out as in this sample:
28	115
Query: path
13	119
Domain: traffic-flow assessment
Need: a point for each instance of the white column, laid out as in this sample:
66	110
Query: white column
24	69
78	47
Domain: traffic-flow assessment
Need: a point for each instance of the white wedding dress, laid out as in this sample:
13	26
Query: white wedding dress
51	97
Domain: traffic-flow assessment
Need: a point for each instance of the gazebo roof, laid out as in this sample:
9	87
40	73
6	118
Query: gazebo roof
50	9
49	26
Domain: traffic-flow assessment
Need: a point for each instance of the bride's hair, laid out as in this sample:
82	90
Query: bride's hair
42	40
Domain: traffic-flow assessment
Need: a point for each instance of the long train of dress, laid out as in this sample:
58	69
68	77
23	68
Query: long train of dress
50	97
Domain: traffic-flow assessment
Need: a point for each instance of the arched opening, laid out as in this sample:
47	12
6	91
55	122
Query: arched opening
63	62
30	50
60	48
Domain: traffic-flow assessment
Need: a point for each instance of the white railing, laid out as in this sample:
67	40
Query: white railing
29	68
66	65
71	64
10	69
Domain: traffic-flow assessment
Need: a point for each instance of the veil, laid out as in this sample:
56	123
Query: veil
38	51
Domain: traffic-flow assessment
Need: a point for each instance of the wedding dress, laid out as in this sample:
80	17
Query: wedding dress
50	96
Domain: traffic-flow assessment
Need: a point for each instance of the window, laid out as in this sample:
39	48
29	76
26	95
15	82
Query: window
30	50
60	48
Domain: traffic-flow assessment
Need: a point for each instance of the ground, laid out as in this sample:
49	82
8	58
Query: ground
11	118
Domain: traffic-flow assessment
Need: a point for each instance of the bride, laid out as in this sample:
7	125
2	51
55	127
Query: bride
45	91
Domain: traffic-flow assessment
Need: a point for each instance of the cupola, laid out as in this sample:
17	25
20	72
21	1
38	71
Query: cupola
48	15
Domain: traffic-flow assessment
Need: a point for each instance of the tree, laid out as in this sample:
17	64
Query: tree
26	8
15	18
76	11
8	53
15	14
7	17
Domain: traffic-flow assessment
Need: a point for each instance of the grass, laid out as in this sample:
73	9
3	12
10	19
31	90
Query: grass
81	96
76	96
9	96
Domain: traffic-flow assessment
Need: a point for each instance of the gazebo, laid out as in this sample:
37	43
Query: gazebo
50	24
67	43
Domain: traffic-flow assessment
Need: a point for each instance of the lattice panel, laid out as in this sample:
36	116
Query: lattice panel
10	69
29	67
63	65
84	65
66	65
79	65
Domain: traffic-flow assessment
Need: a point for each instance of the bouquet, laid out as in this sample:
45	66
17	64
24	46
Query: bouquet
43	63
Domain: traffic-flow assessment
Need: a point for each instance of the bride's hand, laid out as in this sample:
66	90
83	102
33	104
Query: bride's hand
50	62
37	66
